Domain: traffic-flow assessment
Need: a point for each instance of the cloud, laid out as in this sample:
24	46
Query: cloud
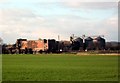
3	1
113	21
78	26
26	23
89	5
89	0
14	22
109	27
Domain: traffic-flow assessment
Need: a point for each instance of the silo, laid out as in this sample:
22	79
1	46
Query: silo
77	44
51	45
80	40
89	43
99	43
66	46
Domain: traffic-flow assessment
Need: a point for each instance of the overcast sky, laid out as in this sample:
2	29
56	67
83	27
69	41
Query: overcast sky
33	19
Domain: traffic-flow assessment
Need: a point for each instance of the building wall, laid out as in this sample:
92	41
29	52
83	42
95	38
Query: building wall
37	45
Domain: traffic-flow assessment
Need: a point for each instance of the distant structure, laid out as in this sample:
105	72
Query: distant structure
88	42
75	44
25	46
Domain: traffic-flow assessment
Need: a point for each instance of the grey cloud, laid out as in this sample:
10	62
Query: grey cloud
69	25
90	5
15	22
30	26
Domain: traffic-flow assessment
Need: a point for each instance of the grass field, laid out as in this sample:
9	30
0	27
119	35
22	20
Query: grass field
0	67
59	67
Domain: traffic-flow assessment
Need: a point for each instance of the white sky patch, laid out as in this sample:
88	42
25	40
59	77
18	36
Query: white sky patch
21	24
89	1
91	5
4	1
113	21
48	1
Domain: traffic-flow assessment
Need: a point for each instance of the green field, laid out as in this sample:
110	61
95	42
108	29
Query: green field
59	67
0	67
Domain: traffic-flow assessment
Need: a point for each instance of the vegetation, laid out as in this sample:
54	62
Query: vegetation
0	68
59	67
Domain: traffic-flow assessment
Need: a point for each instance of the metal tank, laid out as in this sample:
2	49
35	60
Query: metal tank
89	44
99	43
52	45
77	44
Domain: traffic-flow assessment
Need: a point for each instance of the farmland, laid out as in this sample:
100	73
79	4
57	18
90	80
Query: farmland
0	68
59	67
